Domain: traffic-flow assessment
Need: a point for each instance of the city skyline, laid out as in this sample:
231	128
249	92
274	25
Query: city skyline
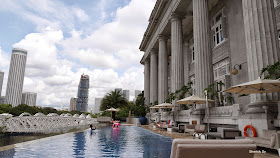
61	48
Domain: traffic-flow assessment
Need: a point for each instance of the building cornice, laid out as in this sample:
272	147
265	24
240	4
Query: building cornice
153	20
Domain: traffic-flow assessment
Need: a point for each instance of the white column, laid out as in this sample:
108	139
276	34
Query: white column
154	77
187	60
177	66
147	81
203	58
261	43
163	70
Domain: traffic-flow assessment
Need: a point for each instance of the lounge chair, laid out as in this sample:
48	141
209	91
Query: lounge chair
190	148
225	133
269	139
199	128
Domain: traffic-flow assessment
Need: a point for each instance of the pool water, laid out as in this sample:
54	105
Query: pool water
128	142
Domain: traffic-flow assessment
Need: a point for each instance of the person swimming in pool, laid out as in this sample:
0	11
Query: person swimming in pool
91	128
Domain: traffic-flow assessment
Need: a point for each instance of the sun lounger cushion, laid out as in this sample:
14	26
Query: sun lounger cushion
187	147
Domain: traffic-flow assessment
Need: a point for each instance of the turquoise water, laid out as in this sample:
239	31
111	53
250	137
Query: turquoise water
128	142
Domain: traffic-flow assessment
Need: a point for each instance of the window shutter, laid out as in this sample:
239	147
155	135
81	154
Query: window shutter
227	81
212	37
224	27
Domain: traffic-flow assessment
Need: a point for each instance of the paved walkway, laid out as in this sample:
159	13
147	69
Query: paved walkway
269	153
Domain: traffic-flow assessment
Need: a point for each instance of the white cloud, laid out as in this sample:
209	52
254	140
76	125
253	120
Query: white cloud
117	41
109	55
46	13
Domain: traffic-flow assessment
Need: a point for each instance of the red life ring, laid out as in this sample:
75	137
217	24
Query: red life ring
252	128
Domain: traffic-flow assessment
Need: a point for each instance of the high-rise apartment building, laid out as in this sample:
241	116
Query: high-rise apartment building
137	92
82	100
73	104
2	100
118	90
29	98
16	77
1	81
96	108
125	94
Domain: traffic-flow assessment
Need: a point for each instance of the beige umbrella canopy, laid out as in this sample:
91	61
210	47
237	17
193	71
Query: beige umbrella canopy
112	109
257	86
165	106
154	107
194	100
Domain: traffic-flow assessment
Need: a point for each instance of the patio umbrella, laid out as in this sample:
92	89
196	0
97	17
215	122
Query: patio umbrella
197	100
165	106
194	100
113	110
154	107
257	86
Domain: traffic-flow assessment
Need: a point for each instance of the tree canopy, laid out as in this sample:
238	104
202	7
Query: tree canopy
113	99
17	110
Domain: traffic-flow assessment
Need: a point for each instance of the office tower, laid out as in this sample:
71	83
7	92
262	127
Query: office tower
16	77
1	81
126	94
96	108
137	92
73	104
118	90
2	99
29	98
82	100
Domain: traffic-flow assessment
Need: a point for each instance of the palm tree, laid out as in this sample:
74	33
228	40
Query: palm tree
113	99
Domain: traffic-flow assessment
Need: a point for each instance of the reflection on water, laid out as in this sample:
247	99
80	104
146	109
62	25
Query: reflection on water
13	138
79	144
104	142
7	153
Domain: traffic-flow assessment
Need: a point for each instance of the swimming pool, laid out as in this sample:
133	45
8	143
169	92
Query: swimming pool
128	141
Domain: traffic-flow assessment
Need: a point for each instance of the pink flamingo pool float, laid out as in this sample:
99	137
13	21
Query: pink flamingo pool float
116	125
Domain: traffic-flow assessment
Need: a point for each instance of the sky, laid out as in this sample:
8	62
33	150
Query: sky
68	38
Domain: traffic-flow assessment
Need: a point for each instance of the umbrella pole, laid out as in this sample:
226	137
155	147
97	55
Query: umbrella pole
207	111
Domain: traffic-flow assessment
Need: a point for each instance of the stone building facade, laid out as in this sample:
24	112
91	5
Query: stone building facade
202	41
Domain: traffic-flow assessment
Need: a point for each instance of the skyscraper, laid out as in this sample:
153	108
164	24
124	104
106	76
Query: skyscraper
82	100
96	108
126	94
29	98
73	104
137	92
118	90
16	77
1	81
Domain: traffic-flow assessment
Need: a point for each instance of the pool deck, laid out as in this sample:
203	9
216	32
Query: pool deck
269	153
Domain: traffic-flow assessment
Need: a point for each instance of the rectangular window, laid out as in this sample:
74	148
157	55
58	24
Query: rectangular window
221	69
192	53
217	29
192	79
